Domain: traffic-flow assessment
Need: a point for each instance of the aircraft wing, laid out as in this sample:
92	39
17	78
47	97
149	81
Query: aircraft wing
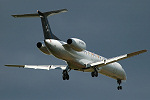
45	67
115	59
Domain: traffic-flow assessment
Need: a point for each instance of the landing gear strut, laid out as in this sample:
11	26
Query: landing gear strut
94	73
119	87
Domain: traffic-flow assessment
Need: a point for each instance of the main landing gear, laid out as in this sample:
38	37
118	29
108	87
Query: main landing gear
65	75
119	87
94	73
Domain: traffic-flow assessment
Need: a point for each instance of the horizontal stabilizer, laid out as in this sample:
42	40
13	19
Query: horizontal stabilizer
50	13
45	67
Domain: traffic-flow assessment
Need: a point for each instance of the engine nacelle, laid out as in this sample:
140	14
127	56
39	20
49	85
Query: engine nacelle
43	48
77	44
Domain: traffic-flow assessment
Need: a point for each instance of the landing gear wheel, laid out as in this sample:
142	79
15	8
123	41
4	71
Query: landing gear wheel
64	78
65	75
119	87
94	74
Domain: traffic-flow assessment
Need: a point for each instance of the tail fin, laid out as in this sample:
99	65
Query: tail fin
46	27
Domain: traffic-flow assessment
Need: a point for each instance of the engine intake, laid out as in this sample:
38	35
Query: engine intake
69	41
39	44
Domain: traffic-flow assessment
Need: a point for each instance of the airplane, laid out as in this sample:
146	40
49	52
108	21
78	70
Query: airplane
74	53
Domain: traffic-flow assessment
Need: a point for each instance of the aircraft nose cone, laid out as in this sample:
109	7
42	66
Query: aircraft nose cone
124	75
122	72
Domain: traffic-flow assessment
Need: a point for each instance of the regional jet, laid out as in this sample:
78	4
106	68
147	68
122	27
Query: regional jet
74	53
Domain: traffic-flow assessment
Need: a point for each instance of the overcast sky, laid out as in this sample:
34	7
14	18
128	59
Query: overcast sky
109	28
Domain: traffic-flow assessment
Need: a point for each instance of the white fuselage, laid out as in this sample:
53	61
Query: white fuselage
80	60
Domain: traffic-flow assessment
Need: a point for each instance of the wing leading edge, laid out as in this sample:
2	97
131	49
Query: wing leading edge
45	67
115	59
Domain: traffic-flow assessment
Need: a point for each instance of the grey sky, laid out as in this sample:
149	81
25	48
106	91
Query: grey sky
109	27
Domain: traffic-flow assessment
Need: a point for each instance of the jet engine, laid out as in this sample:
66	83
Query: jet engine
77	44
43	48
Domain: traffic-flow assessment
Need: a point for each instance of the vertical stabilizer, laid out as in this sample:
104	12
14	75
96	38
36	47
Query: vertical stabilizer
46	27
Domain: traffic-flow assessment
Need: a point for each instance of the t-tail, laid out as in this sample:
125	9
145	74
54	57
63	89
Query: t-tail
45	24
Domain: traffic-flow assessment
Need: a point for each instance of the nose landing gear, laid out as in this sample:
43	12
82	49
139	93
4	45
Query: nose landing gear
119	87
